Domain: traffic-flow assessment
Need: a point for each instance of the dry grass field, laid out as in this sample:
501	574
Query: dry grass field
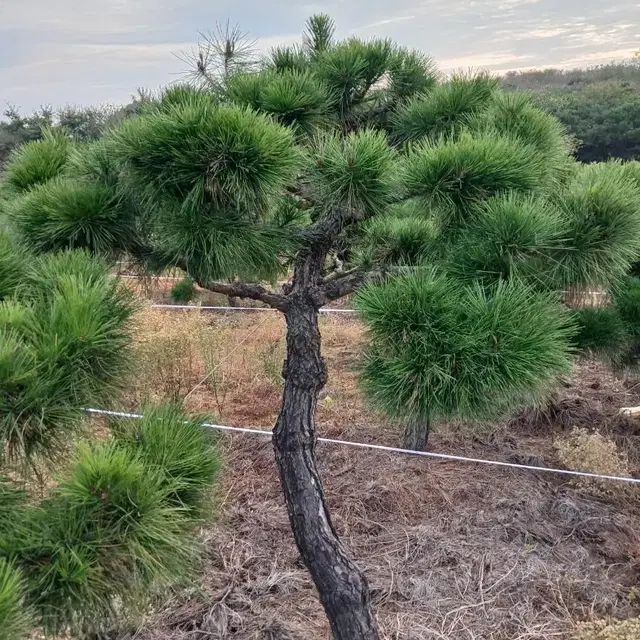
452	551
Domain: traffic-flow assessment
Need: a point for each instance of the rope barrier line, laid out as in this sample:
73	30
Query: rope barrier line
130	277
208	308
377	447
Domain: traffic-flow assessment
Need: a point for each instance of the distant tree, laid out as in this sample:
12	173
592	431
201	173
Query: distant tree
600	106
81	124
604	118
458	212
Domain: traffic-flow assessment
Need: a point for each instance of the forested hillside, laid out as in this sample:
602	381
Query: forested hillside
600	106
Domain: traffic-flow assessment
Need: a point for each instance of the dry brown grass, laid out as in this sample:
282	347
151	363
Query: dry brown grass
451	551
591	451
603	630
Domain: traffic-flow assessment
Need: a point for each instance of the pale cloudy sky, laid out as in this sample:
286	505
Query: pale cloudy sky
84	52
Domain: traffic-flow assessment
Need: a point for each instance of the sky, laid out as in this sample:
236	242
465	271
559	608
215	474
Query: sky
84	52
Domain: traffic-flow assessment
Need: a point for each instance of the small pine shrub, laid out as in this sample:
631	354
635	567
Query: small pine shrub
627	301
177	447
108	533
183	291
593	452
604	630
37	162
14	618
600	330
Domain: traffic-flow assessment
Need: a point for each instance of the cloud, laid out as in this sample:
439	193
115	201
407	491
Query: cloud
79	52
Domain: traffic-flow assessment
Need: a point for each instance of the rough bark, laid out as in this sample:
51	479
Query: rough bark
349	283
342	587
416	434
243	290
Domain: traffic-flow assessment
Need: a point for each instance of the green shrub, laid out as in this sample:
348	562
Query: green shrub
183	291
38	161
441	349
63	345
601	208
105	536
603	116
601	330
14	619
626	298
179	448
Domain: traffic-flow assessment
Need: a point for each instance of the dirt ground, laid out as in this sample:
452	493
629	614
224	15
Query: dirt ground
450	550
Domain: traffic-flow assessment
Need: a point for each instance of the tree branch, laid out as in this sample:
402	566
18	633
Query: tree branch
350	283
304	194
250	291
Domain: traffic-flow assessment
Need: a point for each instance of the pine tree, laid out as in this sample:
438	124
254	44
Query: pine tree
118	519
454	210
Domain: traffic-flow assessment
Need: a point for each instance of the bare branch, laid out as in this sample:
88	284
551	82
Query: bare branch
250	291
338	272
350	283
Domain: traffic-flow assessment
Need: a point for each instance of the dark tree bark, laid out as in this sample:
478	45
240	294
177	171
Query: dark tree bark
416	435
342	587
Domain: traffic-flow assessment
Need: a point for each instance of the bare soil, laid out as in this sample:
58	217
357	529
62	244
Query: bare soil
451	550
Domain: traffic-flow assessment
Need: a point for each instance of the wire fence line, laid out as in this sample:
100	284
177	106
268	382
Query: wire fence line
218	308
395	450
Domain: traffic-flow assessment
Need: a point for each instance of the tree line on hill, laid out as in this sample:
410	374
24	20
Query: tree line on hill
599	106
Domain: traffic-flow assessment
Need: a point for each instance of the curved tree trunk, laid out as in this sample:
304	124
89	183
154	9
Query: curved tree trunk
342	587
416	435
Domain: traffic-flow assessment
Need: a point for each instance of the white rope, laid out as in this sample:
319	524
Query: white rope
378	447
130	277
205	308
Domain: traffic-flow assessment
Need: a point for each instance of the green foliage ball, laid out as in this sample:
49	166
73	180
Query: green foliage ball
179	448
207	157
72	214
455	175
107	533
183	291
445	109
15	622
63	344
297	99
601	208
37	162
510	236
441	349
356	172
